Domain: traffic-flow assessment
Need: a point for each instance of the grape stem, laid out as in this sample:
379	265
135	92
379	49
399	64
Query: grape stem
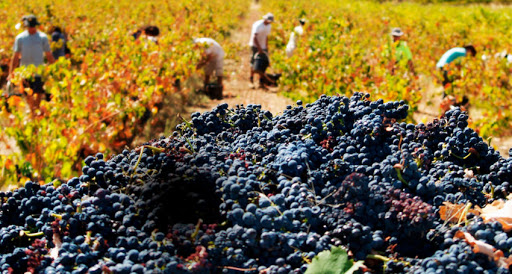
384	259
154	149
35	234
239	269
57	216
464	213
378	257
190	145
399	175
459	157
196	231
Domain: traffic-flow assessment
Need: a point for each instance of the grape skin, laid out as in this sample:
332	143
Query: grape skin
243	189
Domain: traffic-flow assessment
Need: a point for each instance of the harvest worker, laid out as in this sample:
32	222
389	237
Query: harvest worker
149	32
292	43
449	57
212	60
58	43
403	54
30	48
259	43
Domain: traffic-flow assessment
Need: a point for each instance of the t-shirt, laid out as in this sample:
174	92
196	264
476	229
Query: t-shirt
451	55
402	51
61	51
292	43
32	47
263	31
214	49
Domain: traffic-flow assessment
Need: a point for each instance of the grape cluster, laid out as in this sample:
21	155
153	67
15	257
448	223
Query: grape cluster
242	190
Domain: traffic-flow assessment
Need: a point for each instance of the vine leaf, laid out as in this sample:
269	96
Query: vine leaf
334	261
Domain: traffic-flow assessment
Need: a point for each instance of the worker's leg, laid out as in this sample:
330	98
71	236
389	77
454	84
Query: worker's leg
208	71
261	77
31	102
206	79
34	98
254	51
219	72
446	81
38	98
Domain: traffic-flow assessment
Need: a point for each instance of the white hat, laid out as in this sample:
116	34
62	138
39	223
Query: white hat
269	17
396	32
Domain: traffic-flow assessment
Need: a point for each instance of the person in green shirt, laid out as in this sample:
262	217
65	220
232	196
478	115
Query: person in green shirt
402	52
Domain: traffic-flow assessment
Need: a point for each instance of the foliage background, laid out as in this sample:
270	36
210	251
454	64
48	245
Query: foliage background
345	44
113	89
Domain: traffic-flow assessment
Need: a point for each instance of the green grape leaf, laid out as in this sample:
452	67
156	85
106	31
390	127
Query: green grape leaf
335	261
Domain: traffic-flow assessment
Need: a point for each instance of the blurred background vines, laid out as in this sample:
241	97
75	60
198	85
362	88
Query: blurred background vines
112	91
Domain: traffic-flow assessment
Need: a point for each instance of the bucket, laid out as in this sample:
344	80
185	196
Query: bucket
214	91
271	79
260	62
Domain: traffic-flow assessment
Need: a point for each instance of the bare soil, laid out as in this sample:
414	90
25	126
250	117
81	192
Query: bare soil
236	82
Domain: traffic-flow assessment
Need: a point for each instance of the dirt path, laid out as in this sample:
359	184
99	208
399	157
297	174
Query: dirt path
236	83
7	145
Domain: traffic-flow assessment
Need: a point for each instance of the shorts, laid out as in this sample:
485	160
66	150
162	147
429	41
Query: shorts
35	84
253	55
215	65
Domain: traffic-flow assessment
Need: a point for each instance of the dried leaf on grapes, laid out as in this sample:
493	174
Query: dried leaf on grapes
500	211
453	212
492	253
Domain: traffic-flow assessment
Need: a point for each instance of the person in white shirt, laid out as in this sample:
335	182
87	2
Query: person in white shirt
148	32
259	40
30	48
292	43
212	59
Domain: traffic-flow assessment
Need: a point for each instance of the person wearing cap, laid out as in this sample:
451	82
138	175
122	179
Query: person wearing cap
259	41
402	52
292	43
212	59
450	56
30	48
149	32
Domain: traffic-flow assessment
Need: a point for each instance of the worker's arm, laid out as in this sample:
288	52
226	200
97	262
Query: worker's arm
49	57
260	50
204	60
15	62
47	50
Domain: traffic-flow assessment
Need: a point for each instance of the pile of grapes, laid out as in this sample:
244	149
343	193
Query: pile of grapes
239	190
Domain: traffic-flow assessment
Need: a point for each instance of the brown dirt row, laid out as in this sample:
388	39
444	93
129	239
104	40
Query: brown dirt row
236	84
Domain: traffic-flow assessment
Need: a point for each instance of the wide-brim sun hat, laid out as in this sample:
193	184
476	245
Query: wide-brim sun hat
30	20
269	17
396	32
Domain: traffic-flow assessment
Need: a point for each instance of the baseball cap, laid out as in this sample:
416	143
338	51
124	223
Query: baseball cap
396	32
30	20
269	17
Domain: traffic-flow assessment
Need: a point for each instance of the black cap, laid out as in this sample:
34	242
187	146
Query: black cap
30	20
